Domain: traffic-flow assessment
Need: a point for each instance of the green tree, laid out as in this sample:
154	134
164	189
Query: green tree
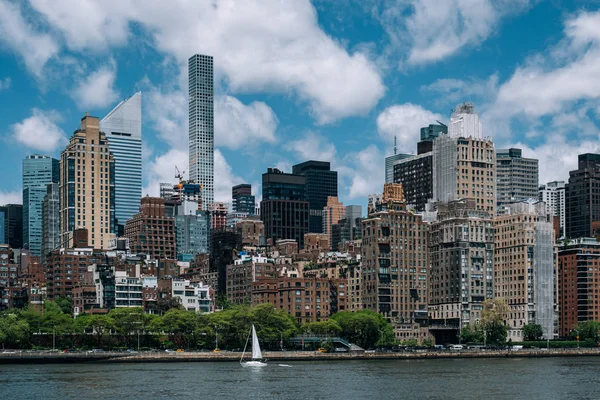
471	334
363	328
181	326
329	327
222	302
532	332
587	330
14	331
65	304
493	315
427	342
100	325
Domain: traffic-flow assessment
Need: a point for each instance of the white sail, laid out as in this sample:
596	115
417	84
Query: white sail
256	353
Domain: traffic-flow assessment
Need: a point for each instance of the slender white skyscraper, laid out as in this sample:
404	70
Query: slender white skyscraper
201	130
123	129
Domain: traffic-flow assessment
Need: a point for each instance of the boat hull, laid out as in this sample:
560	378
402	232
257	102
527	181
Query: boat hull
254	364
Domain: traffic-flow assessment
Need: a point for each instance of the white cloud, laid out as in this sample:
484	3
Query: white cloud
404	121
362	173
5	83
312	147
557	156
168	112
23	38
10	197
97	89
290	54
238	125
434	30
224	178
162	170
547	84
40	131
452	91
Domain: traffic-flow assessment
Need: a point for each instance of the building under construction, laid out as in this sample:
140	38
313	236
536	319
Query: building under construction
524	268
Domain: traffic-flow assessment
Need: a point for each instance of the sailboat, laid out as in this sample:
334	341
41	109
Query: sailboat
257	360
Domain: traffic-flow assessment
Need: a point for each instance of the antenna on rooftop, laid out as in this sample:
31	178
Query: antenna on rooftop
394	144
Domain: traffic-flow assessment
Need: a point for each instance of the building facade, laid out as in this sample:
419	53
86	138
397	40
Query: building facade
553	194
150	232
284	208
201	125
12	216
38	171
516	178
333	212
321	183
582	197
395	262
87	186
123	129
524	268
243	201
50	220
578	276
464	162
461	251
415	174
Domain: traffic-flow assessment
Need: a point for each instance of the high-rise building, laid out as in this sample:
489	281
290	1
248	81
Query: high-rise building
123	129
50	220
38	171
390	161
12	214
524	271
192	232
218	215
415	173
464	162
150	232
321	183
578	276
461	251
87	186
553	194
516	178
201	126
243	200
395	265
582	206
333	212
2	240
284	208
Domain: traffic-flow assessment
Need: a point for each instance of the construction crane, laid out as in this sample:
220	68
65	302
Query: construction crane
179	174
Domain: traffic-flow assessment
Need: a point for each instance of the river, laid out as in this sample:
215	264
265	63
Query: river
526	378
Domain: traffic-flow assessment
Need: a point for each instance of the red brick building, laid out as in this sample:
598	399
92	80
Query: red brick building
151	232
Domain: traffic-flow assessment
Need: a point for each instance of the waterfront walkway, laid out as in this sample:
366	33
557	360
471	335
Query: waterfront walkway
156	356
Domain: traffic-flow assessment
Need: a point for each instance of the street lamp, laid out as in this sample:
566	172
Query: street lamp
53	338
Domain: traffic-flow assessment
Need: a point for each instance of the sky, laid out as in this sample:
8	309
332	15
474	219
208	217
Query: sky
298	80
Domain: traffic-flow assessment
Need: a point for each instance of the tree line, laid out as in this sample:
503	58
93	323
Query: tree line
132	328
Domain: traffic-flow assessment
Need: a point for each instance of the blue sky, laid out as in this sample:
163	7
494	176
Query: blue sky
298	80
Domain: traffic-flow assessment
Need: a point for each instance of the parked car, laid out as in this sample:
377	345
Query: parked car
456	347
170	351
131	351
340	350
322	350
95	351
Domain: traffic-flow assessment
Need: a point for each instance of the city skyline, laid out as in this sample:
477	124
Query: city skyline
267	114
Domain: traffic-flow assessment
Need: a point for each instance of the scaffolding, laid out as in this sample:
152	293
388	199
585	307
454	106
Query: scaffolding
543	267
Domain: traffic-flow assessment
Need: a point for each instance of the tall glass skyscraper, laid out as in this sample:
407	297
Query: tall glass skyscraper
38	172
201	129
123	129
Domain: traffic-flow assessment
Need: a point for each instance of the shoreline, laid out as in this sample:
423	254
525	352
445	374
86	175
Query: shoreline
154	357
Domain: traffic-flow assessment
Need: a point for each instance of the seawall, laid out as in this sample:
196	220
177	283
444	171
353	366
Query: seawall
143	357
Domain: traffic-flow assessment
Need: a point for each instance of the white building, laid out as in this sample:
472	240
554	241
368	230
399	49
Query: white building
194	296
553	194
128	290
201	126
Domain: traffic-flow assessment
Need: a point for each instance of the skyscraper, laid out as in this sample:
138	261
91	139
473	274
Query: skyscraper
516	178
87	186
582	199
50	220
394	277
284	209
150	232
38	172
321	183
123	129
553	194
243	200
464	162
201	126
13	225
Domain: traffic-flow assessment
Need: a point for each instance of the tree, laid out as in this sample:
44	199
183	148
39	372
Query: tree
493	315
129	321
364	328
587	330
65	304
14	332
470	334
532	332
329	327
100	325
